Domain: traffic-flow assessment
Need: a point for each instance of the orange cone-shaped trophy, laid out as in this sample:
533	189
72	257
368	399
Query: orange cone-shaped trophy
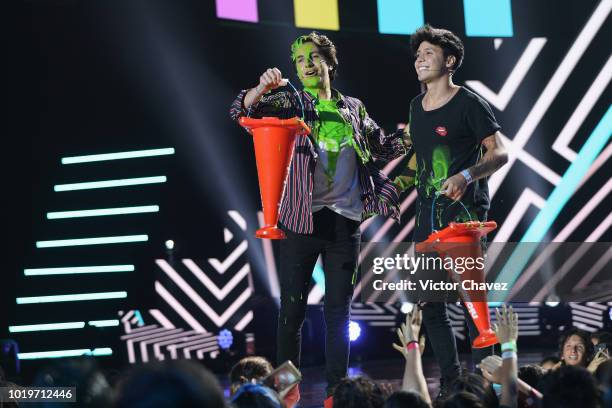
274	140
462	240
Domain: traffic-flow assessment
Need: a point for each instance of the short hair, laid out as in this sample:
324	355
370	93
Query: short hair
603	374
569	387
401	399
82	373
326	48
445	39
531	374
477	385
256	396
462	399
181	383
8	403
358	392
603	337
250	368
585	336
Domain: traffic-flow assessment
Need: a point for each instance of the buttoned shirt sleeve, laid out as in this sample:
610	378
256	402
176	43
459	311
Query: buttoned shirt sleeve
280	104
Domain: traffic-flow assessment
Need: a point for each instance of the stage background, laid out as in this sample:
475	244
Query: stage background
97	77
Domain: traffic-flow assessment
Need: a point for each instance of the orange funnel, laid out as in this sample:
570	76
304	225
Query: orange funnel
274	140
462	240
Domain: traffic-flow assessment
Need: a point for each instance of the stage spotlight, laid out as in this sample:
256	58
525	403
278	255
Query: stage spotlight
552	301
225	339
169	245
354	330
555	317
407	307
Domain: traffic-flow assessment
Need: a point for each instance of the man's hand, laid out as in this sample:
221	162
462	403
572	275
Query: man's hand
454	187
490	367
271	79
506	328
292	397
386	388
601	357
409	331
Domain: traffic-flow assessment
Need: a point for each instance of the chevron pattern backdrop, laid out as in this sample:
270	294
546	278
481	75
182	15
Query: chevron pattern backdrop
101	216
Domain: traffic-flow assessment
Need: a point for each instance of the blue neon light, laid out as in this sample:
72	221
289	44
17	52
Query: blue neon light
400	16
488	18
557	200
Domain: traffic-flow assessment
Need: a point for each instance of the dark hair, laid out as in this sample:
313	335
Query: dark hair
462	399
603	374
477	385
531	374
250	368
84	374
550	359
180	383
256	396
445	39
9	403
586	338
401	399
358	392
603	337
569	387
326	48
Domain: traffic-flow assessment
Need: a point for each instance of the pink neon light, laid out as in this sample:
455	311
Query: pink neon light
241	10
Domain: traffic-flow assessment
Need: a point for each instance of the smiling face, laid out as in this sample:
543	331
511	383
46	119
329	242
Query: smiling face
430	63
574	351
312	70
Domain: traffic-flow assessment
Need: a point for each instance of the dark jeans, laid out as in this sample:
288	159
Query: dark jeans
442	339
337	239
435	316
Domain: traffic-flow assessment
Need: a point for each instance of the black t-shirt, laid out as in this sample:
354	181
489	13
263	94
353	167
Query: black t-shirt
446	141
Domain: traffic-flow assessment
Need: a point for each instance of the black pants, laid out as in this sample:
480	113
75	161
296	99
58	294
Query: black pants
337	239
435	315
442	339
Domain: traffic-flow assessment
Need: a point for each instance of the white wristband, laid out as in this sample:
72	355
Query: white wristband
508	354
467	176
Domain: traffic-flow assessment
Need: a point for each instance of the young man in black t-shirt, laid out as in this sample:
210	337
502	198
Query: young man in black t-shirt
457	146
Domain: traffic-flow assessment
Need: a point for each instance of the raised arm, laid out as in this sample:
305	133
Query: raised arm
408	335
506	330
271	79
259	100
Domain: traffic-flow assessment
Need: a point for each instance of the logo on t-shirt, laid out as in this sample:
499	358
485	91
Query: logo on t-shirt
441	130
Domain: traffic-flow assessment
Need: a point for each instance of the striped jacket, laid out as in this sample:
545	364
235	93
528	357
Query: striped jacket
378	194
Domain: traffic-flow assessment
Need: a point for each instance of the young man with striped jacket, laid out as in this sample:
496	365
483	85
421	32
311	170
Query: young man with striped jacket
333	185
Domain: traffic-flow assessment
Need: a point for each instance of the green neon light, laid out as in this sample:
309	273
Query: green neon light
121	239
78	269
46	326
110	183
103	323
103	351
103	211
71	298
117	156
